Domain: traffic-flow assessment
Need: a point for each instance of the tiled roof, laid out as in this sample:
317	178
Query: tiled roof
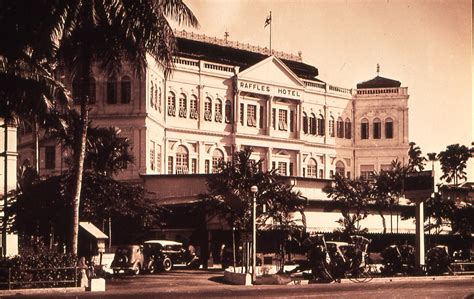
237	57
379	82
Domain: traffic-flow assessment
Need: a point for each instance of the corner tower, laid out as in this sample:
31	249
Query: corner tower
381	125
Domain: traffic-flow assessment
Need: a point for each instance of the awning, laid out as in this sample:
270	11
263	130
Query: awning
93	230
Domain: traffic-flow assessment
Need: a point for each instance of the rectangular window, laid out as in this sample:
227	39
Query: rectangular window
364	131
273	165
152	155
331	174
292	120
348	174
194	165
282	120
367	172
312	125
321	174
274	118
50	157
260	121
282	168
206	166
291	169
340	129
170	165
389	130
251	115
304	172
158	158
331	127
242	114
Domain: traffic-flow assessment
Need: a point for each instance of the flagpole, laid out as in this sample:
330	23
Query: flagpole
271	32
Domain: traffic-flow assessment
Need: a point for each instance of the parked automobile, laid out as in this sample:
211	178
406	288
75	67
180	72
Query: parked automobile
128	258
163	255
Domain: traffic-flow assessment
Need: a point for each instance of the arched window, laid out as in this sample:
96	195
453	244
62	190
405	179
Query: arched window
218	110
340	128
331	126
305	123
126	88
321	126
389	128
228	112
217	156
182	105
208	109
193	110
171	104
181	160
312	124
340	168
80	89
348	128
111	91
364	129
377	129
312	168
152	94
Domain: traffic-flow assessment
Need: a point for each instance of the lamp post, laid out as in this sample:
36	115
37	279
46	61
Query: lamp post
254	190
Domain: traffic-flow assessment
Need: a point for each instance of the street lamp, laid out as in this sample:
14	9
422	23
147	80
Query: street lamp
254	190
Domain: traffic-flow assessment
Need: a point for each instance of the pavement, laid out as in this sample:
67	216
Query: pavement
120	285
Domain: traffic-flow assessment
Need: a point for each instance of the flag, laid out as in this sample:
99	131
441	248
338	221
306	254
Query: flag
268	21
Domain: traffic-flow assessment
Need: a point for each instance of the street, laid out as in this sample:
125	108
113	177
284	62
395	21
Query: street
209	284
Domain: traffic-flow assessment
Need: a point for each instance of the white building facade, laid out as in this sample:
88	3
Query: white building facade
222	98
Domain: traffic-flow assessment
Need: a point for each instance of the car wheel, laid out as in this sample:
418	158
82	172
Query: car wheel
136	270
151	268
167	264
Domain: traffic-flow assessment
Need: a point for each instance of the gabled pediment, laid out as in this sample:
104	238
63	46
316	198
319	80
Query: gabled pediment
272	70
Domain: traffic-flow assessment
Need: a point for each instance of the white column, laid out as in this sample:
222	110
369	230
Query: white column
420	234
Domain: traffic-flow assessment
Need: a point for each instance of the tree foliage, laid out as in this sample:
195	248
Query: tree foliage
42	207
453	162
229	194
352	198
416	161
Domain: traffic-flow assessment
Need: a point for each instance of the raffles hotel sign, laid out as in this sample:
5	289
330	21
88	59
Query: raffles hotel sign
266	89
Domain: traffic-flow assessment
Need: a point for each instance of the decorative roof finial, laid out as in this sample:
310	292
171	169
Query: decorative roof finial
226	35
378	69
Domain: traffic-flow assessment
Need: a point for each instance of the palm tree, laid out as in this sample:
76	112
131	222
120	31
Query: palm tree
415	158
107	33
453	161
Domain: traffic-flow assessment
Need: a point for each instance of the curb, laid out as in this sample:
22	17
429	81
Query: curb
41	291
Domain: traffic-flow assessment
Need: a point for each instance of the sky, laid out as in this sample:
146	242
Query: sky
426	45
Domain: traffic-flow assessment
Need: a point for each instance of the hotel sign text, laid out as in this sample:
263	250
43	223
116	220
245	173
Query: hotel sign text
269	90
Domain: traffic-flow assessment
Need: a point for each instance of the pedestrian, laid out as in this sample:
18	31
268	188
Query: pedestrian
82	268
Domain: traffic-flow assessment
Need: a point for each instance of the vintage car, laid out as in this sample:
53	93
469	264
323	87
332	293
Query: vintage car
163	255
128	258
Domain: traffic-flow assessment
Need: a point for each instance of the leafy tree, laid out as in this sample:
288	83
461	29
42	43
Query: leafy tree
229	194
453	162
387	190
415	159
352	198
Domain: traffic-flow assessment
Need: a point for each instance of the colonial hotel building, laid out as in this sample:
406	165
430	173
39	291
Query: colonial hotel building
223	96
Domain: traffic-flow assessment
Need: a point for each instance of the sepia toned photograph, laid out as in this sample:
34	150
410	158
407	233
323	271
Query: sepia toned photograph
236	148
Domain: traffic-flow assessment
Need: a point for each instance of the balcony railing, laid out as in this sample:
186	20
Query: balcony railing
381	91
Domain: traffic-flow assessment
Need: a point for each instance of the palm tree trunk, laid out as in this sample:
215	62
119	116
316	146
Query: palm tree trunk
384	222
36	157
80	155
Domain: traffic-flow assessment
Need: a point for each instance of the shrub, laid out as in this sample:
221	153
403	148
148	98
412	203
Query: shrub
39	268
